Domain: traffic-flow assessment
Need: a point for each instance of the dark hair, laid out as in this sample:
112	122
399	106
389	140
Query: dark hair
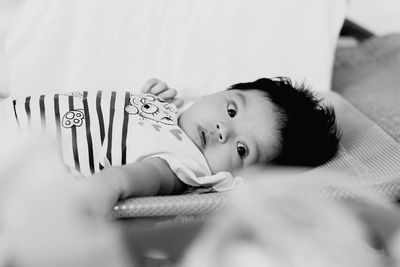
309	135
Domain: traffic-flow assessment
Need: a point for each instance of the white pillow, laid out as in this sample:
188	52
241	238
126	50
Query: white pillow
196	46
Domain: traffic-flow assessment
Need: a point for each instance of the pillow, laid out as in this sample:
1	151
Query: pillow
198	47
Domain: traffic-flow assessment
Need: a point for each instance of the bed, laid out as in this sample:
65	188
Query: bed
53	46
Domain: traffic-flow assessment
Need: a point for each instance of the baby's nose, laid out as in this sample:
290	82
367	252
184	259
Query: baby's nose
223	132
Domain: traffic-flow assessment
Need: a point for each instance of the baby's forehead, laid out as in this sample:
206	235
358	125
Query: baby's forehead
247	91
250	96
261	119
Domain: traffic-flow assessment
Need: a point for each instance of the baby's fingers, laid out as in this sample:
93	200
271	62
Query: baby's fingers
149	84
169	93
161	89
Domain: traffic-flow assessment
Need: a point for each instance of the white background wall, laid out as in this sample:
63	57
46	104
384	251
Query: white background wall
379	16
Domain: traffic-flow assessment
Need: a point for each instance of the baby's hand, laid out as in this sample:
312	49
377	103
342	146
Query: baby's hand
161	89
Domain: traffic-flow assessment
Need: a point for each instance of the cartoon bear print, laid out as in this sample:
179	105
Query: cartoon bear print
151	107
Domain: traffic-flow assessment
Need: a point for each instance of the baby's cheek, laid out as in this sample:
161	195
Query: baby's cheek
219	159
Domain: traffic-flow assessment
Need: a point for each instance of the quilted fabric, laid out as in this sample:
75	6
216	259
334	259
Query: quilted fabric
172	205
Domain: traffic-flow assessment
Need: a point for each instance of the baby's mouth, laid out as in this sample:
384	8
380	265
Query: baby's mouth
203	137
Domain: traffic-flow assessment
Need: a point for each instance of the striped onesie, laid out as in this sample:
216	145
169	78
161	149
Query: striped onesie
100	129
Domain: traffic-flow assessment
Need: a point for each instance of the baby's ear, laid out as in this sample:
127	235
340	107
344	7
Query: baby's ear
131	109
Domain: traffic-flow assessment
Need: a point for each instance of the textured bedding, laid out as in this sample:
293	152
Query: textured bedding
369	77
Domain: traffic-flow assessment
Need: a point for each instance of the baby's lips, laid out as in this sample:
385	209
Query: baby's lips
201	137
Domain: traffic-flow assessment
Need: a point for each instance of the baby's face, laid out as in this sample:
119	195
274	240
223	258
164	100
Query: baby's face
233	128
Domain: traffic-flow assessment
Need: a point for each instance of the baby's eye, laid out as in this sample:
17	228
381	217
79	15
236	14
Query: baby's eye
242	150
231	109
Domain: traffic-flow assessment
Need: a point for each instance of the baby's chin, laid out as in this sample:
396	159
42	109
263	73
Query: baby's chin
190	129
215	166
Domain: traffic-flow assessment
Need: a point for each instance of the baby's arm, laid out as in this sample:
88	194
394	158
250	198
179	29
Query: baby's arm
146	178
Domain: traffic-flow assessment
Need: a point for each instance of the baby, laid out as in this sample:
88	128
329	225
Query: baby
142	145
